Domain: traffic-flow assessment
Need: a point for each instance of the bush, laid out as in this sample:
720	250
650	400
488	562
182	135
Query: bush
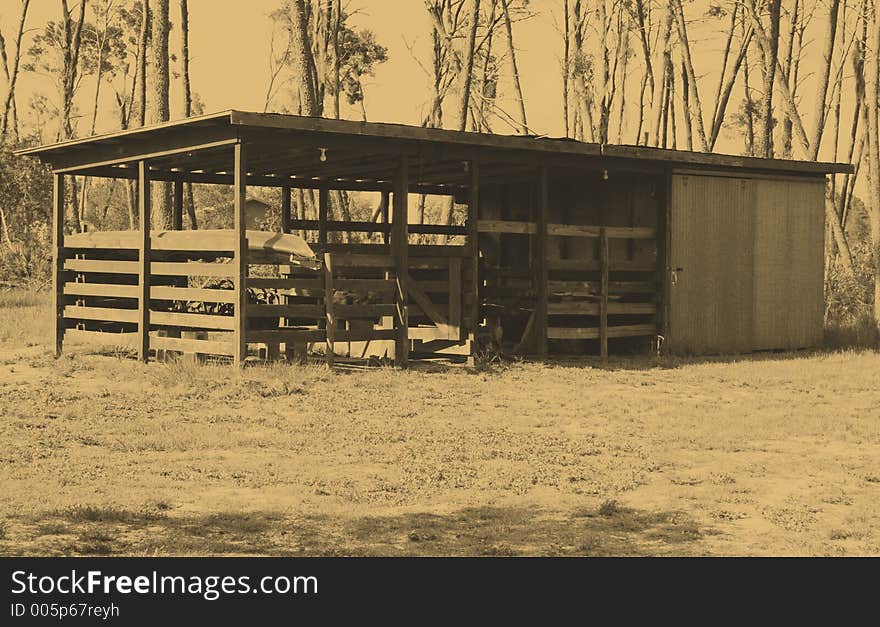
849	301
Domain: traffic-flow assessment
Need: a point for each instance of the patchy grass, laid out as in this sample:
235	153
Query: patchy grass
766	455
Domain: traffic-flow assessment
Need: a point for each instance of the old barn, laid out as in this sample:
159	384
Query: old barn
563	246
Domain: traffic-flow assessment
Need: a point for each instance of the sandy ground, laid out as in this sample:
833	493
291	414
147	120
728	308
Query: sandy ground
770	455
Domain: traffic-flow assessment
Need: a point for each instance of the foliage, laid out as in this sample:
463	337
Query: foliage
25	221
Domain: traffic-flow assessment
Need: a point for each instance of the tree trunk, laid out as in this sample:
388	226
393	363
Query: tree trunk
186	98
514	70
692	87
143	41
302	60
772	58
872	107
12	75
828	53
160	109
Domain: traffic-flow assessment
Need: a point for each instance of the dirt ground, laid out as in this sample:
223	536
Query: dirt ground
767	455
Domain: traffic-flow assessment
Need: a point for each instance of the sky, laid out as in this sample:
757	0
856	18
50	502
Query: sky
229	45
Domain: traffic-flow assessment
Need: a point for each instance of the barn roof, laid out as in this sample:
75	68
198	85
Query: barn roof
306	151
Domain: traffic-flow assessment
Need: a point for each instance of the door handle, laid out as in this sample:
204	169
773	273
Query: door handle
675	272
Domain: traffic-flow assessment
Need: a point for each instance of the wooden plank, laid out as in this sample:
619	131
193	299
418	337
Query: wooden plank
177	206
586	265
291	336
603	293
455	300
103	314
583	308
285	311
323	207
349	312
366	285
193	321
364	335
58	261
592	333
240	266
385	208
592	288
507	226
329	293
613	232
204	347
426	305
285	210
540	265
126	340
194	268
400	254
157	292
286	284
345	260
144	210
101	266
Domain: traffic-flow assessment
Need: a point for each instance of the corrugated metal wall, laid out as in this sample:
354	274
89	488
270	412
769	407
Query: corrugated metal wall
752	253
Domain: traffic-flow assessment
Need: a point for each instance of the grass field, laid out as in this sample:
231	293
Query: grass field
772	454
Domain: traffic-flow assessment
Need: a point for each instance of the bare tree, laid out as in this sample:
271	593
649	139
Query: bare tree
514	70
11	74
186	100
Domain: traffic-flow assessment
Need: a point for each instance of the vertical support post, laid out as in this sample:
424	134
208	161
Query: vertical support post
285	210
474	253
603	297
540	269
329	290
240	251
144	210
58	259
385	206
177	207
323	206
400	255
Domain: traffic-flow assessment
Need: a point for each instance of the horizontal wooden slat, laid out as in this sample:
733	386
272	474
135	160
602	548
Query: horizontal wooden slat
156	292
613	232
161	292
364	311
287	311
592	333
128	340
345	260
592	288
192	268
592	264
365	285
101	266
506	226
205	347
102	314
192	321
102	289
286	335
363	335
592	309
286	284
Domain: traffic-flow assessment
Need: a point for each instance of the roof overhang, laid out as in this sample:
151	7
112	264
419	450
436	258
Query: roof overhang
297	151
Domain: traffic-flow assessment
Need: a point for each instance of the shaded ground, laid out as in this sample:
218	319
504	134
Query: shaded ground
775	454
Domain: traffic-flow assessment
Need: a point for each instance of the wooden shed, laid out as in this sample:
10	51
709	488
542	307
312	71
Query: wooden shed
564	246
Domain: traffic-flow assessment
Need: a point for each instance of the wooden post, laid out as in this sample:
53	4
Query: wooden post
58	260
144	209
177	207
285	209
386	204
474	252
540	269
400	255
323	205
603	296
240	250
328	308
